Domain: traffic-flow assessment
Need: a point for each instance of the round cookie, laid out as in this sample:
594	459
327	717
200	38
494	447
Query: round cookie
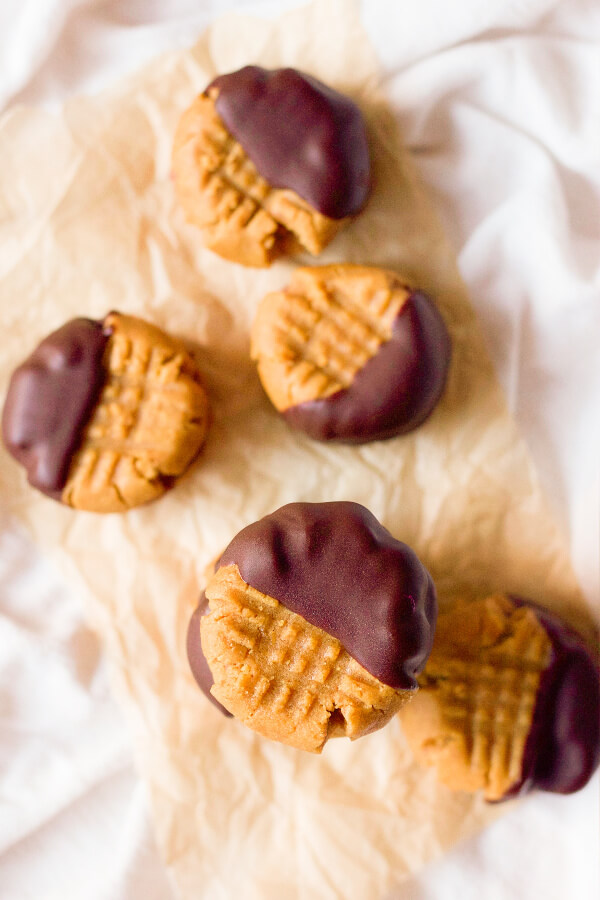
351	353
509	701
319	624
104	415
269	163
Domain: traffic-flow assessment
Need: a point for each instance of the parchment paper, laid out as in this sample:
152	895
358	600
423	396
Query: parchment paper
88	223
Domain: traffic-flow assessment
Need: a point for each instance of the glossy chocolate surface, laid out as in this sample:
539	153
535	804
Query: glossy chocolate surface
197	659
300	134
394	392
563	747
49	399
341	570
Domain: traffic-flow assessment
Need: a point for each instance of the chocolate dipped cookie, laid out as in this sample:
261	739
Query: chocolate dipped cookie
509	701
318	623
351	353
269	163
104	415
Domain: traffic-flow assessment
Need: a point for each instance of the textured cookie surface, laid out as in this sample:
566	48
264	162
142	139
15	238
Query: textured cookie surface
475	709
336	566
242	217
147	426
350	353
283	677
508	701
319	623
103	415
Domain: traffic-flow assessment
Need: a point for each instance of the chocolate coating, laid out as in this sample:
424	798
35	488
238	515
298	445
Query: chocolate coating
336	566
49	398
300	134
394	392
197	659
563	747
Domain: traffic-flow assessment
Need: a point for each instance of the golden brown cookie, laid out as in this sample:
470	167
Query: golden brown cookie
350	353
317	623
104	415
508	701
250	175
282	676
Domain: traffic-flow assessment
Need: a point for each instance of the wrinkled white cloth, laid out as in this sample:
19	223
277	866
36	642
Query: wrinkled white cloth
500	104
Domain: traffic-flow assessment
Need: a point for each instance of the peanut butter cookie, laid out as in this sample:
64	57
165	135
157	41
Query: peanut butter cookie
508	701
104	415
350	353
269	163
317	625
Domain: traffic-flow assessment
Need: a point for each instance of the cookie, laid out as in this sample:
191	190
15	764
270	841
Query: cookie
319	622
509	701
351	353
105	415
269	163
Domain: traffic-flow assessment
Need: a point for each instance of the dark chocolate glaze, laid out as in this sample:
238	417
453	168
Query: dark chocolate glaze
49	399
300	134
563	747
336	566
394	392
197	659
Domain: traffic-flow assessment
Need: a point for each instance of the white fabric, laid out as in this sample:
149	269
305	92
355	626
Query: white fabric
500	103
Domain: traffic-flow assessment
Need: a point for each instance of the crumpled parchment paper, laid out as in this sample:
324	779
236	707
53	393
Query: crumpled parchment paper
88	223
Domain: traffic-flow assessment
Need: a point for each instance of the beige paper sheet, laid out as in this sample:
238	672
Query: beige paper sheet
88	223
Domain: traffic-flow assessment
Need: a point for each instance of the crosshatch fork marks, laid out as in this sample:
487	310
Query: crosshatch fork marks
311	339
242	216
491	701
283	676
478	693
147	426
